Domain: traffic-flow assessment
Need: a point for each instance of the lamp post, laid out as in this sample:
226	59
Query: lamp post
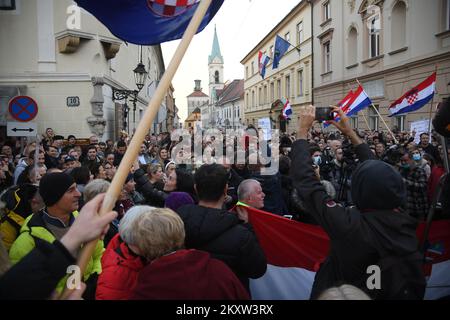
139	77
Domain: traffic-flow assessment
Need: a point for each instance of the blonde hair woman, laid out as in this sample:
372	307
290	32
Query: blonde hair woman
158	235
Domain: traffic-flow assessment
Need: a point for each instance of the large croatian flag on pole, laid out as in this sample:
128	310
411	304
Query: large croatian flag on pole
295	250
415	98
147	22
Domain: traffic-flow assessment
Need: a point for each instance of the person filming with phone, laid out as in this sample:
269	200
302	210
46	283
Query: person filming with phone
374	231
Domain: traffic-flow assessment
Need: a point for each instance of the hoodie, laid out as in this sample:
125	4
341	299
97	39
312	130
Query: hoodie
361	235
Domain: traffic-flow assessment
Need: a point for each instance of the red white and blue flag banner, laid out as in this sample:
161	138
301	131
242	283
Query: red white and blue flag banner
343	104
287	109
415	98
295	250
148	22
358	101
263	60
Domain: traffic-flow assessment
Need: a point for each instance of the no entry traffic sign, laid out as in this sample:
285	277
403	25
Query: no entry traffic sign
23	108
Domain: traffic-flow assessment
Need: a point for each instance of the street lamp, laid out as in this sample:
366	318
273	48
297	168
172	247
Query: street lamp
140	75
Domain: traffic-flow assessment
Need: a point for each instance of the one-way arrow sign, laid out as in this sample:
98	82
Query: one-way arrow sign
29	129
21	129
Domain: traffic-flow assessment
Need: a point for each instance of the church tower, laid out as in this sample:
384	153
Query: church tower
215	66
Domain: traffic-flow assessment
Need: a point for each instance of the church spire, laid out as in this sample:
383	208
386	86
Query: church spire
215	52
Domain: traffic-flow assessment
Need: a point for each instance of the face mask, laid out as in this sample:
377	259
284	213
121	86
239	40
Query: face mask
405	166
416	156
317	160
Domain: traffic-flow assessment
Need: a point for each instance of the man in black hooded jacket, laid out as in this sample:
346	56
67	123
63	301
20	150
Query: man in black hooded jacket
363	235
225	235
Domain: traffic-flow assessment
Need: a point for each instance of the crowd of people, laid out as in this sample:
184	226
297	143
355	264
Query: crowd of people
185	223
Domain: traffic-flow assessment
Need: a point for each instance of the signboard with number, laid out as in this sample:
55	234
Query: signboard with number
21	129
23	108
73	101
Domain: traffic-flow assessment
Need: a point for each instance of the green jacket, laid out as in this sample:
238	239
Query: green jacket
34	229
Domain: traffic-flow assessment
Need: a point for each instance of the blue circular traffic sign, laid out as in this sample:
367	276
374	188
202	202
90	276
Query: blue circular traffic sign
23	108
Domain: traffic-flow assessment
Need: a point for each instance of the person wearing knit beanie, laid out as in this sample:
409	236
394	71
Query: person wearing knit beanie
53	186
178	199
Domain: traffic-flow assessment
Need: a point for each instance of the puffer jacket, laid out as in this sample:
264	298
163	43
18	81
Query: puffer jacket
153	196
120	271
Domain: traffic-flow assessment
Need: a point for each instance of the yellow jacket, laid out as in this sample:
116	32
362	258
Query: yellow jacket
9	228
34	230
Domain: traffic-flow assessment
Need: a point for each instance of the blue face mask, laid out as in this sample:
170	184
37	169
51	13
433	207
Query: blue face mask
416	156
317	160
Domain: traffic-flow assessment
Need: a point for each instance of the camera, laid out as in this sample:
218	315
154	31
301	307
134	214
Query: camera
324	114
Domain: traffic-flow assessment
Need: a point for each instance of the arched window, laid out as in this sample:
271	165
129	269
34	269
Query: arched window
216	76
352	54
398	19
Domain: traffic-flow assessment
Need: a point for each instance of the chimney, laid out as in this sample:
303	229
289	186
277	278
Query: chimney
197	85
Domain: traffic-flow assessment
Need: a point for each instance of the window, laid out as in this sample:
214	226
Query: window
253	99
7	5
246	72
272	91
216	76
373	118
287	37
354	121
288	87
300	33
398	26
326	11
260	97
271	51
278	89
374	37
247	103
265	95
327	57
300	82
352	46
253	68
400	122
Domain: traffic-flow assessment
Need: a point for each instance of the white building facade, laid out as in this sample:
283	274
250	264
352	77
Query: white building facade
69	63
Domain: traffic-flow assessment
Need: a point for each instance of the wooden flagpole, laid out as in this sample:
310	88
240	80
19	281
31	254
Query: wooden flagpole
142	129
385	124
432	101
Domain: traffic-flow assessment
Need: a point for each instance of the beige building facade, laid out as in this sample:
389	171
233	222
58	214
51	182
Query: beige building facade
69	63
293	77
389	46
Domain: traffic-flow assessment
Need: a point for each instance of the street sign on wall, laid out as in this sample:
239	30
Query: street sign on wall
23	108
21	129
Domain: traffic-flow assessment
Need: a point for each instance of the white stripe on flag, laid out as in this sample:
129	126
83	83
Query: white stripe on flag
280	283
438	284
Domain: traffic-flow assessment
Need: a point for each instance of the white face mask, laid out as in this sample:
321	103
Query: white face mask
317	160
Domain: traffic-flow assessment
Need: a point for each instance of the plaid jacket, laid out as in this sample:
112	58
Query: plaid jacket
416	188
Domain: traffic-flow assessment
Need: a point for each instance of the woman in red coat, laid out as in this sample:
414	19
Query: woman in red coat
120	266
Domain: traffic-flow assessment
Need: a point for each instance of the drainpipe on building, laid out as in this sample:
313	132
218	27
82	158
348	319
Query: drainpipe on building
312	50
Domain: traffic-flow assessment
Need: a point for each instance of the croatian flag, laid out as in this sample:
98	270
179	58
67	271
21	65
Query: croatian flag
358	101
415	98
287	110
295	250
263	59
343	104
147	22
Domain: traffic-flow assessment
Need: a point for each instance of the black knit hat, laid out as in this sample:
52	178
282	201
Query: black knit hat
53	186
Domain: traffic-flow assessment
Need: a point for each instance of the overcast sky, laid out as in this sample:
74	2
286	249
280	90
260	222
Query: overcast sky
241	24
